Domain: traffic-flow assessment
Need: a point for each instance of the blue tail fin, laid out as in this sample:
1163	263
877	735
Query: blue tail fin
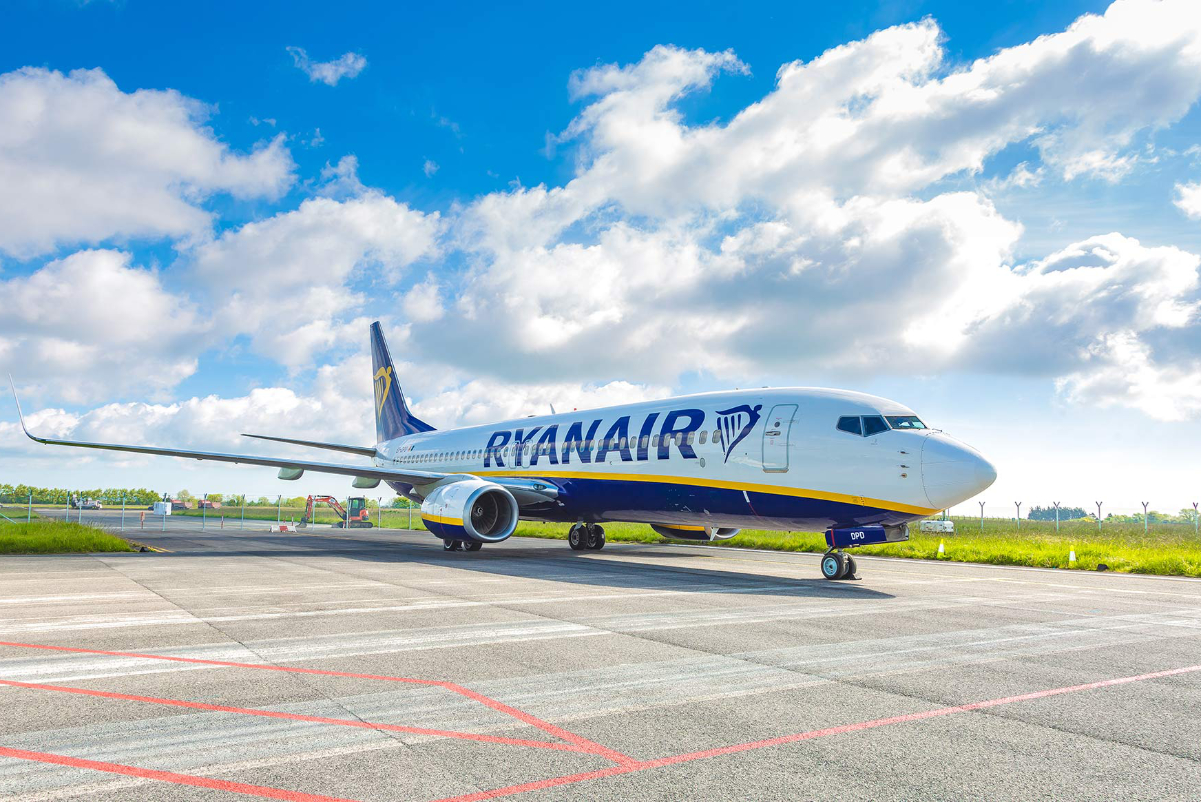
392	417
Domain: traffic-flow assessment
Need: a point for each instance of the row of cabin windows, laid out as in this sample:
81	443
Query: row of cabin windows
648	441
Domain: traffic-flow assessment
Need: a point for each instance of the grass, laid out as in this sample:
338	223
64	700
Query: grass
56	537
1168	549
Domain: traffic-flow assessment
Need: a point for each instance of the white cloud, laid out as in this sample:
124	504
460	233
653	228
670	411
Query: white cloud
286	281
82	162
92	326
793	236
348	65
1188	199
429	168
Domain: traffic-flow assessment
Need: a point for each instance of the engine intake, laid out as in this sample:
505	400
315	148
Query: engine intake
470	510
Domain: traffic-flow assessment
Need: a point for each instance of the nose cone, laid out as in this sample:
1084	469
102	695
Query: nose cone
953	471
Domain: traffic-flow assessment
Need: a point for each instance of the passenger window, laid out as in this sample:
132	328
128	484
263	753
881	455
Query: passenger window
688	438
850	424
873	424
717	436
703	436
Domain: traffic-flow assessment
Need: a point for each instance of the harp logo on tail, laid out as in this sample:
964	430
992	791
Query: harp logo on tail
383	384
735	424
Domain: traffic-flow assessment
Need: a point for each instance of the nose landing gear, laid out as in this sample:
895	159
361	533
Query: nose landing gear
838	565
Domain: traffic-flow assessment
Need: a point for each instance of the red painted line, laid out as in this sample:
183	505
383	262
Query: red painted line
688	757
583	743
367	725
168	776
580	741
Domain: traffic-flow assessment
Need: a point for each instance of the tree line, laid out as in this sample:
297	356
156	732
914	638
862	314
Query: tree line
20	494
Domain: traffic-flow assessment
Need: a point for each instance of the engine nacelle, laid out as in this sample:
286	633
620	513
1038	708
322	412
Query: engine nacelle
702	533
470	510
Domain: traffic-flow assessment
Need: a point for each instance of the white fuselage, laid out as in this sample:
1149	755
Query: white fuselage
770	458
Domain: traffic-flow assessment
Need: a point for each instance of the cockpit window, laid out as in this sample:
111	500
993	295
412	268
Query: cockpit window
873	424
850	424
905	422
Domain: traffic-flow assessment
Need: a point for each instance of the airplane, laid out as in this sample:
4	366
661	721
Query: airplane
697	467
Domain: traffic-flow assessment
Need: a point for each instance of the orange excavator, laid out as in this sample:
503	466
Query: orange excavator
357	517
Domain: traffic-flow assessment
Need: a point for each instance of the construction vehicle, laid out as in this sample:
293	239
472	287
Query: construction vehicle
357	517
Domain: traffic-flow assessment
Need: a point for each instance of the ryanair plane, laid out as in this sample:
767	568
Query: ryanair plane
697	467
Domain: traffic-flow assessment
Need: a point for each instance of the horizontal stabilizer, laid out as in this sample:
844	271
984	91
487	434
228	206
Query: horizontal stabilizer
363	451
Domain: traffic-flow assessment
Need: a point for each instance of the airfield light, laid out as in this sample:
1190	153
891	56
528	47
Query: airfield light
1098	516
1196	513
1018	519
1056	503
279	503
1145	503
981	503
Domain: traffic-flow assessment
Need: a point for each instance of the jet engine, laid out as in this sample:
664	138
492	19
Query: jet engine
470	510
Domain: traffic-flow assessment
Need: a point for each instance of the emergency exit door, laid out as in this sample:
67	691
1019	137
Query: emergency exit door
776	436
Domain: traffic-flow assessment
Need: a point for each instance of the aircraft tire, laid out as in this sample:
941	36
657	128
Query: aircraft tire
834	565
851	568
596	537
576	538
450	545
472	546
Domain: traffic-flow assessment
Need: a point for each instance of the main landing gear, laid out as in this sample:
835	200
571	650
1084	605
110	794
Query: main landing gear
459	545
586	536
838	565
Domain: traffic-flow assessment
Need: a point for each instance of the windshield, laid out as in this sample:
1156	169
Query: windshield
905	422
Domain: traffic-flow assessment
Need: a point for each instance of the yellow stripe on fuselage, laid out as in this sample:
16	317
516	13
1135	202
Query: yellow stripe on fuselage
750	487
442	519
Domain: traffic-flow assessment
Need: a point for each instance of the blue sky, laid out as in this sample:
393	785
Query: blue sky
484	155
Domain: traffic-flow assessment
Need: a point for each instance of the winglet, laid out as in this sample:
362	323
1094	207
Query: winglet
20	414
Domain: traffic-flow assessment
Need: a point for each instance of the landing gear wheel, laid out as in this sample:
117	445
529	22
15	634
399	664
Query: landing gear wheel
851	568
577	537
451	545
596	537
834	565
473	546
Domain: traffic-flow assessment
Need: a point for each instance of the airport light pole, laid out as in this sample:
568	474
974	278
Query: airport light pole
1056	503
122	512
981	503
1196	514
1098	516
1145	525
29	509
379	513
204	511
242	523
278	507
1018	519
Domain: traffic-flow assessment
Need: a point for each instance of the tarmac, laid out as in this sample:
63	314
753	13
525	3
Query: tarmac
373	665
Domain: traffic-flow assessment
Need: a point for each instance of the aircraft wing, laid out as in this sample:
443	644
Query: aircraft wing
525	490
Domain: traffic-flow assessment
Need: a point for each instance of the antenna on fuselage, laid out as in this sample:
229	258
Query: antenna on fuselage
552	410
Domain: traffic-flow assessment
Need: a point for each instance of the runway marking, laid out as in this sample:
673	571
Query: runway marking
367	725
583	744
627	766
168	776
644	765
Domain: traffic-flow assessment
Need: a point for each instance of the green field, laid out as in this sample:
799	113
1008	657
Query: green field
1168	548
56	537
